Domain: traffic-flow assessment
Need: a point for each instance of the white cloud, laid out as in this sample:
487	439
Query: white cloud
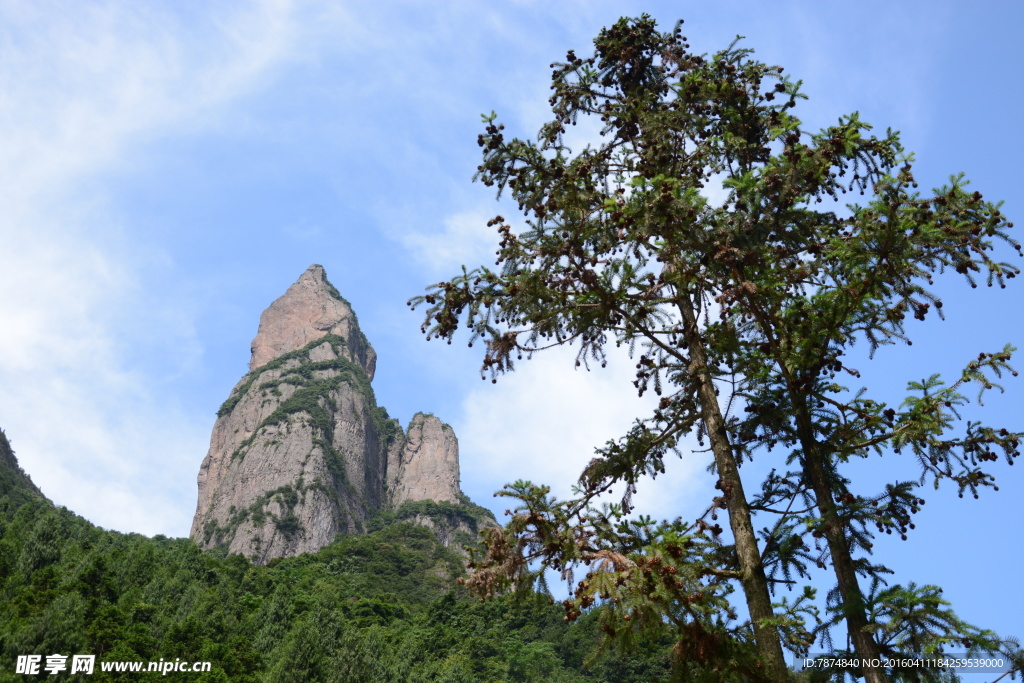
83	91
543	422
466	240
83	85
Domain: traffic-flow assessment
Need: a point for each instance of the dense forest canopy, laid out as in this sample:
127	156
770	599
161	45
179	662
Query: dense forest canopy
377	607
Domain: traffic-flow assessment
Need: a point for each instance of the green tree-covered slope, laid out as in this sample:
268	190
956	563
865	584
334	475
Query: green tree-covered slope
15	485
379	607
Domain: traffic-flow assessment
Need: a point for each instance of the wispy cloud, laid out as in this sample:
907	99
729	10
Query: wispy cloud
466	239
543	422
84	91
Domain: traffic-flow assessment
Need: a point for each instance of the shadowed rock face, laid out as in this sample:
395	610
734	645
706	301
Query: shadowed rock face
301	452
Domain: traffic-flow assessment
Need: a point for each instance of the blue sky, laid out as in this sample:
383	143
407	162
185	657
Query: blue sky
168	169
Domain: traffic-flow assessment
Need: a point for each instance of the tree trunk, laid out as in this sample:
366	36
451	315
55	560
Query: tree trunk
842	561
753	579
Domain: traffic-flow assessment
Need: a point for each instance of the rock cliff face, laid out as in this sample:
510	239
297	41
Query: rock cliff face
302	452
311	308
427	465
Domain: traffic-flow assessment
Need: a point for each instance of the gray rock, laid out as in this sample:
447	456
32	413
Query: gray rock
427	466
302	452
310	309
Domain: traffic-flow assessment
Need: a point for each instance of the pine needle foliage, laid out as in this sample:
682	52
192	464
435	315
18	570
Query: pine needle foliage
762	295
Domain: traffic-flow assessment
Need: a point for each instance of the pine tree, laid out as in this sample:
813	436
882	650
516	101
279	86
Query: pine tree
761	296
302	656
796	304
584	272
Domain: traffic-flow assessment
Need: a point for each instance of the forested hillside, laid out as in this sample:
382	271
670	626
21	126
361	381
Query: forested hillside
379	607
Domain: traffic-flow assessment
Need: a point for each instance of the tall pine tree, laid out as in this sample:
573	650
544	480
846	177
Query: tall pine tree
762	295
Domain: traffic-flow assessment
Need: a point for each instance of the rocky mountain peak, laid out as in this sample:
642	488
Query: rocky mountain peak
311	308
301	451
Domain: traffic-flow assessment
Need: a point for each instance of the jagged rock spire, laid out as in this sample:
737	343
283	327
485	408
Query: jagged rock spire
302	452
310	309
427	465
